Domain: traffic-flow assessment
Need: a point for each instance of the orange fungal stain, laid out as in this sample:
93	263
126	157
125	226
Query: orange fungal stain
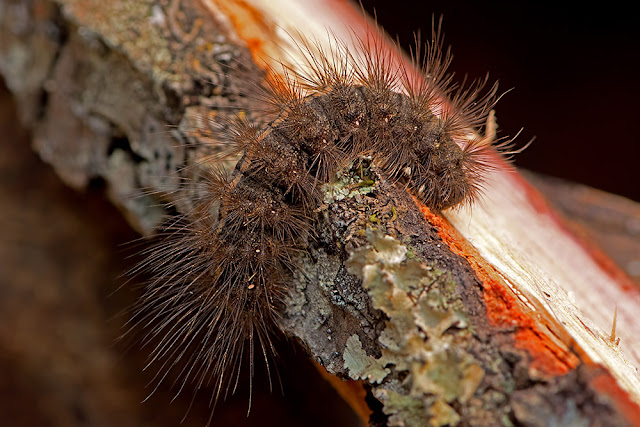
607	385
252	27
503	307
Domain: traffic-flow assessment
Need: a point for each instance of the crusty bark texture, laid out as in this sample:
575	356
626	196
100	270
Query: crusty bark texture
114	91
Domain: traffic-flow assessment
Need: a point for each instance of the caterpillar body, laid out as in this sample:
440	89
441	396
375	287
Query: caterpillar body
221	270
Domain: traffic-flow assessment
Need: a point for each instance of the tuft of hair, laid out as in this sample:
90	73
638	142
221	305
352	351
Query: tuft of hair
218	283
418	124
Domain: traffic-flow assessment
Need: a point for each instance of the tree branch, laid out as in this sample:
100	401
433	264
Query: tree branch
462	318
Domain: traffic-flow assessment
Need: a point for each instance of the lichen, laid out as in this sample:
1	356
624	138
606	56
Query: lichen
419	340
360	365
349	183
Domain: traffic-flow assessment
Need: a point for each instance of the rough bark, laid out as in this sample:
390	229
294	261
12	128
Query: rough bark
388	294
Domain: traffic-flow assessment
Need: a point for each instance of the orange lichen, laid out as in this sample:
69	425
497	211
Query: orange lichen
503	307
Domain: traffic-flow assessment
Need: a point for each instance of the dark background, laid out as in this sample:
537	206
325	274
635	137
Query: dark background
572	69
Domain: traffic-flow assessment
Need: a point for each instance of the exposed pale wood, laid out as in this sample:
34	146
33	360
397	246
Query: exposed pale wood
555	274
609	221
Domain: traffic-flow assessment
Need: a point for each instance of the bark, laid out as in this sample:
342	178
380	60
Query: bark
437	329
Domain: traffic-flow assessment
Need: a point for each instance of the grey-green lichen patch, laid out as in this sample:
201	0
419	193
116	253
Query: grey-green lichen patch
325	274
402	409
349	183
420	342
362	366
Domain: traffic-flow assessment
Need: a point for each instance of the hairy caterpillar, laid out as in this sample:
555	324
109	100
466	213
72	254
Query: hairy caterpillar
222	267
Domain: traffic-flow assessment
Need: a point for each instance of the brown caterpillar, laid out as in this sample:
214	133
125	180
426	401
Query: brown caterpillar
221	270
